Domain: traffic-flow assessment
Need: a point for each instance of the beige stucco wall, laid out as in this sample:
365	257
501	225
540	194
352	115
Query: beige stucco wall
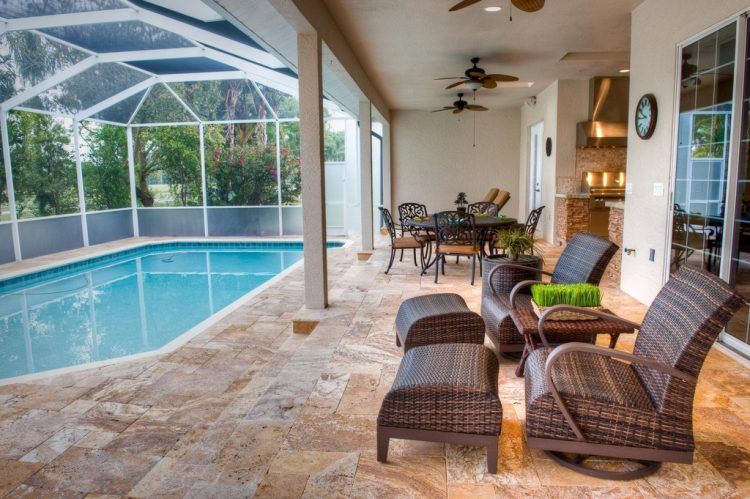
433	157
561	105
658	26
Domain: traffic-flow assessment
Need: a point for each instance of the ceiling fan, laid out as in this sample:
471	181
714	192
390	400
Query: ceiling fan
476	78
459	105
524	5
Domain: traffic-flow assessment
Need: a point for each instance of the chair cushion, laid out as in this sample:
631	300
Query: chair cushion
458	249
449	387
407	242
605	398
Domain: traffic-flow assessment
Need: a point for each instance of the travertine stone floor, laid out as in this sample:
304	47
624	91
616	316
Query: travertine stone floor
250	409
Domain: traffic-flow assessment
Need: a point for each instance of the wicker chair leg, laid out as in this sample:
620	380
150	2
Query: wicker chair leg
522	363
390	263
398	340
575	463
492	455
383	442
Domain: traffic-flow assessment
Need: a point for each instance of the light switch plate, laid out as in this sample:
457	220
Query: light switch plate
658	189
628	187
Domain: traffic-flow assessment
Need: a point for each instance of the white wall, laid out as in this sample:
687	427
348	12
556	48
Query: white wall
433	157
561	106
658	26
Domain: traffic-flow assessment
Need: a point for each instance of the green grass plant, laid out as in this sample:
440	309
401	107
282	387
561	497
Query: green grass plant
579	295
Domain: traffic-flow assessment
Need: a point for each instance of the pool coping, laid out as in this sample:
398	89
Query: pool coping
183	338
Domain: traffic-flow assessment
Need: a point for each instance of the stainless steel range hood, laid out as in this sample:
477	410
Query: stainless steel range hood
608	114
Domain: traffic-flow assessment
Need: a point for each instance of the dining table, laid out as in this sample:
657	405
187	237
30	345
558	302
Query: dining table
484	224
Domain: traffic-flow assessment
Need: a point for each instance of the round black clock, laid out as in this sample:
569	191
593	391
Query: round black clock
645	116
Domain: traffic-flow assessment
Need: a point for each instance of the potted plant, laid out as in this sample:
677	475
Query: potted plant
578	295
519	247
461	202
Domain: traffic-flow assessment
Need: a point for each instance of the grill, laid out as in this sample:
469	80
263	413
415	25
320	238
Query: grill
602	187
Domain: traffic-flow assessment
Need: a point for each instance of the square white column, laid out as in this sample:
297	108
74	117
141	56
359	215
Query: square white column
365	173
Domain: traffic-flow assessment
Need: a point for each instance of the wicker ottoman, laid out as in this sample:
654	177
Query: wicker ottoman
444	393
438	318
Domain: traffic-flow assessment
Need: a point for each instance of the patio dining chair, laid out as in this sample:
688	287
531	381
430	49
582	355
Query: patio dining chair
456	234
583	400
584	259
410	241
482	208
532	221
407	212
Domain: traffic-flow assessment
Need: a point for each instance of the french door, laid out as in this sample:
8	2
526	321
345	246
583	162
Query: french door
710	219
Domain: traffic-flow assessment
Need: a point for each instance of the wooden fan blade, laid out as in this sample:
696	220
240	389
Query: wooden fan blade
451	78
464	4
457	110
498	77
477	74
489	83
473	107
446	108
528	5
454	85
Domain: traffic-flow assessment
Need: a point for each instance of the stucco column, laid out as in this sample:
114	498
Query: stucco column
312	167
365	173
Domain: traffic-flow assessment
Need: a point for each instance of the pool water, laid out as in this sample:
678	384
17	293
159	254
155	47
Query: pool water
126	303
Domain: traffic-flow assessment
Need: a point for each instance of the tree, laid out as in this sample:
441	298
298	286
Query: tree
43	166
105	169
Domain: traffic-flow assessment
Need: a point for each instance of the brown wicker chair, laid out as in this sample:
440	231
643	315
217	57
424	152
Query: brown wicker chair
584	259
586	400
444	393
456	234
401	243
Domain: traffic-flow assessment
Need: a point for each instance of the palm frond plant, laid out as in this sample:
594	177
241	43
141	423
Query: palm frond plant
516	243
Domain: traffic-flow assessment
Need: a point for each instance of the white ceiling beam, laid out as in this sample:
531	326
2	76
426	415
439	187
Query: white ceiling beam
203	36
78	18
260	74
151	55
220	75
50	82
128	92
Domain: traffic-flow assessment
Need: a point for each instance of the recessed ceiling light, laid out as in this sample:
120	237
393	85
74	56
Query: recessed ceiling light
626	70
493	8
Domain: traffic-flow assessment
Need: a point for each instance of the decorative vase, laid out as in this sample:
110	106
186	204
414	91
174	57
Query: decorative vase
461	209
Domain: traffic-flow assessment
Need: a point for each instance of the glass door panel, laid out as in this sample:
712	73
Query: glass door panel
703	139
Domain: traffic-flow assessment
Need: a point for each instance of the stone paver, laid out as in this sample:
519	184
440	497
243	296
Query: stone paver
250	408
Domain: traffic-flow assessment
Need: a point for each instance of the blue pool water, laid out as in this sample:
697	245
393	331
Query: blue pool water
128	302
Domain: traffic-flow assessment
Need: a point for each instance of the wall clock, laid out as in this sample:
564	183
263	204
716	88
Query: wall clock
645	116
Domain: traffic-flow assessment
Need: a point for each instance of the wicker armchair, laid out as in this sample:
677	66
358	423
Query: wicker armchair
455	234
409	241
586	400
584	259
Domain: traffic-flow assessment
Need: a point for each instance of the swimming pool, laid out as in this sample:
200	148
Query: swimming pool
129	302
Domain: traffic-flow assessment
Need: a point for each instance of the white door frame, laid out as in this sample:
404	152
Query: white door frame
535	165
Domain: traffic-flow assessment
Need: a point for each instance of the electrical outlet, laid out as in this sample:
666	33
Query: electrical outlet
651	255
628	187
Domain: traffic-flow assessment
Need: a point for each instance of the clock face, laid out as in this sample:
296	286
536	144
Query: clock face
645	116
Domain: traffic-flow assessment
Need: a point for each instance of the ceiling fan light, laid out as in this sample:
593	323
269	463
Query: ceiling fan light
493	8
473	85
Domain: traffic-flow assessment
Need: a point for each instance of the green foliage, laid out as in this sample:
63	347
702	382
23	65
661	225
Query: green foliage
578	295
105	168
240	166
170	154
516	242
291	175
43	165
461	200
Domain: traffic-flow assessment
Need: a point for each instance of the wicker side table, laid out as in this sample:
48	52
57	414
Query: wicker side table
437	318
444	393
558	332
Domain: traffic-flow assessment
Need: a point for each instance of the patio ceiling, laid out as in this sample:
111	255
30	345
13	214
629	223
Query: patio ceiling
403	46
107	59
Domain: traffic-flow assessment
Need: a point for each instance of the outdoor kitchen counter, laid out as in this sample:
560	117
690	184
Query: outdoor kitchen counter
573	195
617	205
